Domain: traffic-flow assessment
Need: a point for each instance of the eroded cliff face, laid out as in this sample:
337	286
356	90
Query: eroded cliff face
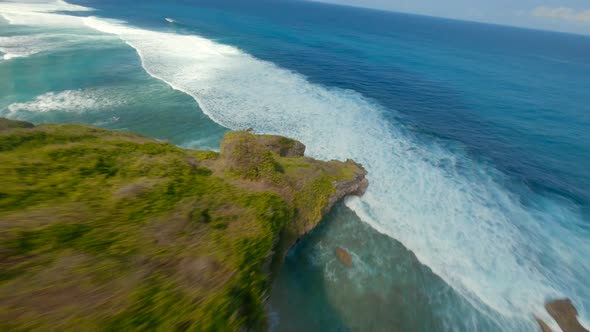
111	230
312	186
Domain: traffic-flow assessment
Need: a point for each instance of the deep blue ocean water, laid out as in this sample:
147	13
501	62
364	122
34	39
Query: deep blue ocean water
476	138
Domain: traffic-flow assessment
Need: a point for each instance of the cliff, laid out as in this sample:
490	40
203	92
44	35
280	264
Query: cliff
105	230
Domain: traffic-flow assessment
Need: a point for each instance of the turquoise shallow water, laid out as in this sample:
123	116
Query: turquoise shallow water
87	77
386	289
476	138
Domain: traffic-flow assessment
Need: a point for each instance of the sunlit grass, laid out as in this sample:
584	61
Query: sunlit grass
111	230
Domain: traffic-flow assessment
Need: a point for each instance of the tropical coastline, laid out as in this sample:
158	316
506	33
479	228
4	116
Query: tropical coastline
151	236
474	136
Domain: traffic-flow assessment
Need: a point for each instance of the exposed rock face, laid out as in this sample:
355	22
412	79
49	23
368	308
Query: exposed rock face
314	184
355	187
277	163
344	256
565	314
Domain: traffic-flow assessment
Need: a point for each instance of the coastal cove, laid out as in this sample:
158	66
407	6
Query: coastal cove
150	235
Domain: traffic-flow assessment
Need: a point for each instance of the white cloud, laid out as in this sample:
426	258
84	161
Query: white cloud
562	13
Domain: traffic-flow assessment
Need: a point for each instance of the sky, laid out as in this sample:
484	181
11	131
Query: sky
559	15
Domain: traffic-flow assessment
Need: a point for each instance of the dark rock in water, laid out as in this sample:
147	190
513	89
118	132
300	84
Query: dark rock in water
543	325
565	314
344	256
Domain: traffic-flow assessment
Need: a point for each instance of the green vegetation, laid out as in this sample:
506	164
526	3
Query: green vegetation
105	230
9	124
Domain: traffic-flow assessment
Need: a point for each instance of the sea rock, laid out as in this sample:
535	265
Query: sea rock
343	256
565	314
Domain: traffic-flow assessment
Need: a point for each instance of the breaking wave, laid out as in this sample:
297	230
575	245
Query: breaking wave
71	101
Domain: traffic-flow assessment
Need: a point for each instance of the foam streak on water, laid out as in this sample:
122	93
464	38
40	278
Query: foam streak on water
453	213
60	31
77	101
26	45
40	13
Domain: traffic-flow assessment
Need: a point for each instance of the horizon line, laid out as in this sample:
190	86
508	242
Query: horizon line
391	11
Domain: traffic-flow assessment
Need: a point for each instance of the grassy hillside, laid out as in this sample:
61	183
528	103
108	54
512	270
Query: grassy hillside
105	230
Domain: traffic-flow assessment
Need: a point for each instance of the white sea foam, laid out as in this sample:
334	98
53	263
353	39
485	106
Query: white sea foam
56	30
27	45
20	46
453	213
70	101
33	6
35	13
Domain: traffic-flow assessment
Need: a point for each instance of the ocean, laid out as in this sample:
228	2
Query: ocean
476	138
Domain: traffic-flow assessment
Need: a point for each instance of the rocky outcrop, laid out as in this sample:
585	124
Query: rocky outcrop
565	314
355	186
126	233
278	164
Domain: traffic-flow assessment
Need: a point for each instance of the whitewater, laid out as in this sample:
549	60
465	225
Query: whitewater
454	213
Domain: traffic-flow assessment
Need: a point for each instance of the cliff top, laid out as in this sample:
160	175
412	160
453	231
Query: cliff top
102	229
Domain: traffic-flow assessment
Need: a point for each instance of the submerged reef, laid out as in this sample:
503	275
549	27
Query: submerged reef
109	230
